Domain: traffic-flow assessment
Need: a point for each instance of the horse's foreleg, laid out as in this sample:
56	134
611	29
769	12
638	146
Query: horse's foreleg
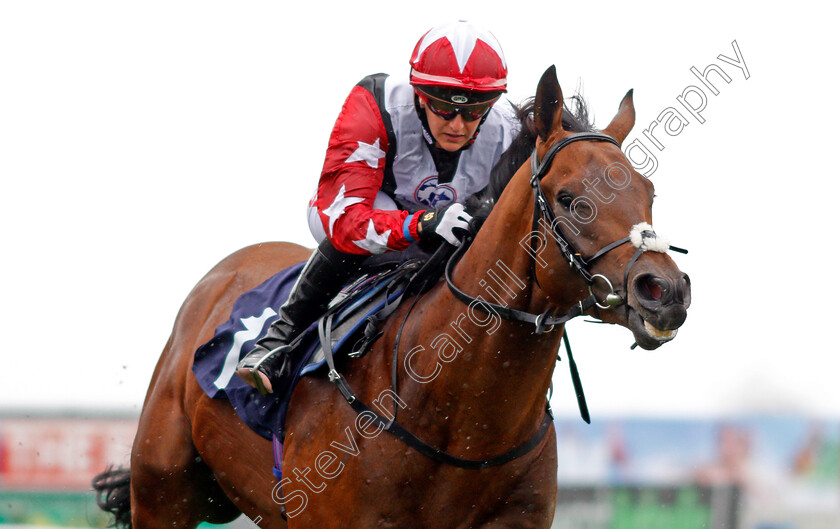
170	485
530	503
241	459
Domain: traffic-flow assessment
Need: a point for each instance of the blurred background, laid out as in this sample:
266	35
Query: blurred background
140	143
757	472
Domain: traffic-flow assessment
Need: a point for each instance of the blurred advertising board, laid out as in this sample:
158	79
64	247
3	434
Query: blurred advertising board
56	509
60	453
647	507
742	473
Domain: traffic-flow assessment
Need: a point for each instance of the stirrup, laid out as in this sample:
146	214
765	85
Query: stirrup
253	374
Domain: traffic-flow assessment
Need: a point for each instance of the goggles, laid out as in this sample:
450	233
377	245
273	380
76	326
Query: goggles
447	111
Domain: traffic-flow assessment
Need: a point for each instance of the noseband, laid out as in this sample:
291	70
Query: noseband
640	236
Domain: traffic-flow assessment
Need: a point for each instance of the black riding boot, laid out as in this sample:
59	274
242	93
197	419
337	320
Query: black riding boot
320	280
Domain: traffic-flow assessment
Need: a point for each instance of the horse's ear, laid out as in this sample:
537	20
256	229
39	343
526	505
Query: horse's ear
548	103
621	124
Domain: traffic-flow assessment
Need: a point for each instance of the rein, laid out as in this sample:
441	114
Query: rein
391	426
543	323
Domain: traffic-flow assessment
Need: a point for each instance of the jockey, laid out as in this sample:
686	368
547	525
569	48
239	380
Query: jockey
403	156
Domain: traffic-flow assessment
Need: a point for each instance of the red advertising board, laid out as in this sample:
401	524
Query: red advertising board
60	453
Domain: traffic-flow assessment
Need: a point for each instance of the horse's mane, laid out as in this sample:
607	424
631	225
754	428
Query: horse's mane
575	119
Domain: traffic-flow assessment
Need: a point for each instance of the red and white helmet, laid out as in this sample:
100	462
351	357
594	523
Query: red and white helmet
459	55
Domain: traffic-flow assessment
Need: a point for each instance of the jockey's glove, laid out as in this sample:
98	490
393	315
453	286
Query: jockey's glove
448	223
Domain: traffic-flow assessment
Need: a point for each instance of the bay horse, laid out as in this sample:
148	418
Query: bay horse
472	381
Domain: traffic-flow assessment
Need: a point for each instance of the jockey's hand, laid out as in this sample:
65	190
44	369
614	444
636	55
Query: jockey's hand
447	223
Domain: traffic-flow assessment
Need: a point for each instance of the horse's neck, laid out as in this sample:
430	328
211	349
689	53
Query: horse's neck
499	378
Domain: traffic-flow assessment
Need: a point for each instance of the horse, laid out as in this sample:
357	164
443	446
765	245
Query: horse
474	359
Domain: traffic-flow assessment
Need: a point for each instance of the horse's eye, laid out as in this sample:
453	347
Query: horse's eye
565	200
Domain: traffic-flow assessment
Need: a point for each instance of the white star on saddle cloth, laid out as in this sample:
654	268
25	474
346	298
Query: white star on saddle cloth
370	153
339	205
373	242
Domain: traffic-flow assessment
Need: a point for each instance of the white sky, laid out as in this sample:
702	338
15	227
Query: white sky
142	142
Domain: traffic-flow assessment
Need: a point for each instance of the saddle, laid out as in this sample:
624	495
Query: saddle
357	311
352	324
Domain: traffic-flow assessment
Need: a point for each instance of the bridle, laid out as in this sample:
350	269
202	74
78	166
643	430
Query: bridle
545	322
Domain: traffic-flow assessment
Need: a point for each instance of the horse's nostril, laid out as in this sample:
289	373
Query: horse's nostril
653	289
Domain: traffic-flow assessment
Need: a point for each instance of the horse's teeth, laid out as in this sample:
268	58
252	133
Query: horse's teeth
656	333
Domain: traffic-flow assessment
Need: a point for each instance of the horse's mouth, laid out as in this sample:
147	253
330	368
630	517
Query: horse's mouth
646	334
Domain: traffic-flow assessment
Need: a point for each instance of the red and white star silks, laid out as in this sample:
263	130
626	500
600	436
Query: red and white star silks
353	171
461	55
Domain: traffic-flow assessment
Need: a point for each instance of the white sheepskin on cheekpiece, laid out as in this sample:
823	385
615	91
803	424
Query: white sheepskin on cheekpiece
642	236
